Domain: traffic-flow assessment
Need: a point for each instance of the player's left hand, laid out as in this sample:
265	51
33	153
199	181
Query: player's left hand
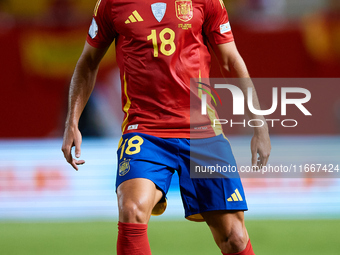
260	148
72	138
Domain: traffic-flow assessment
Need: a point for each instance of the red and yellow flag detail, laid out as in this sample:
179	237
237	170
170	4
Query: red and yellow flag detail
184	10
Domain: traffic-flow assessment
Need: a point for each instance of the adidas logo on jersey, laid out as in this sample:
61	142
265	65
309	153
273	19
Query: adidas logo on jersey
235	196
134	17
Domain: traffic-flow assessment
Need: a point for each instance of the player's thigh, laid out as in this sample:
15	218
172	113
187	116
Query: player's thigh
145	168
207	192
226	224
136	198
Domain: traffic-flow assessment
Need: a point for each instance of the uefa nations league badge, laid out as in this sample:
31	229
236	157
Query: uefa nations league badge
158	10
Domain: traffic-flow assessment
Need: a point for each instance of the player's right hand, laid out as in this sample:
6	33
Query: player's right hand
72	137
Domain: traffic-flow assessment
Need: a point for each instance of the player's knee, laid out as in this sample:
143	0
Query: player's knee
132	212
235	241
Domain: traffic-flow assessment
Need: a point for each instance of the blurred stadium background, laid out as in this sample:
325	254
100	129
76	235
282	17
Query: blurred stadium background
47	208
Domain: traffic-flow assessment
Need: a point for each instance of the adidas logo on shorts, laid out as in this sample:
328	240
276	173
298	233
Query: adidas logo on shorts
235	197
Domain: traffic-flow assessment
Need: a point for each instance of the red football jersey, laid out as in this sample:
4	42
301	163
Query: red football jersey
160	46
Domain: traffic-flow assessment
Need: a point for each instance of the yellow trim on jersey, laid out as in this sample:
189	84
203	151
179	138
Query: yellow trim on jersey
96	7
211	113
222	4
127	106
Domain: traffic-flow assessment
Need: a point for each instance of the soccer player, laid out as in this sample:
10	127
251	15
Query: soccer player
159	47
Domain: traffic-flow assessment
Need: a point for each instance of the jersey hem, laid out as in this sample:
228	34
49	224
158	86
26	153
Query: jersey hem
175	134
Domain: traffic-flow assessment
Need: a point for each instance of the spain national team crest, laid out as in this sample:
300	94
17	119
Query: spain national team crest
184	10
124	167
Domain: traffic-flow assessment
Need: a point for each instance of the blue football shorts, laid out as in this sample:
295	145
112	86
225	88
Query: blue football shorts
156	159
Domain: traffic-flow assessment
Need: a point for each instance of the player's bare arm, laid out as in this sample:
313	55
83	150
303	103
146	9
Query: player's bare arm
231	62
81	87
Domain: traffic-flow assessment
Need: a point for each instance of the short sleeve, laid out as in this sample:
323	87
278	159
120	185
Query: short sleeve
216	24
101	33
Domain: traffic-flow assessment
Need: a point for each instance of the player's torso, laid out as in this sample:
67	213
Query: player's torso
160	46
